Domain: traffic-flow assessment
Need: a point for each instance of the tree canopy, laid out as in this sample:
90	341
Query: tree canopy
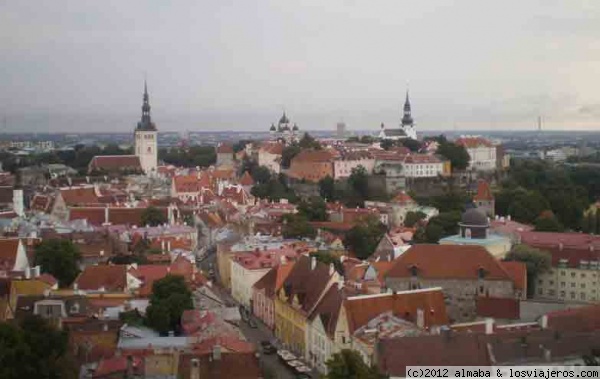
443	225
309	142
59	258
348	364
313	209
193	156
456	154
170	297
536	260
275	189
152	216
363	238
32	348
289	152
412	218
297	226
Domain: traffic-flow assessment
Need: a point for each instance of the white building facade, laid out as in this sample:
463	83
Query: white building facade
146	139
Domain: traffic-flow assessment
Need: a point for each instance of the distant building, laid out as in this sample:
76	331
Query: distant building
482	152
146	138
341	130
224	155
484	199
284	131
407	127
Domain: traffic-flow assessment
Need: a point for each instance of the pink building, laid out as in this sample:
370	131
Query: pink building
264	290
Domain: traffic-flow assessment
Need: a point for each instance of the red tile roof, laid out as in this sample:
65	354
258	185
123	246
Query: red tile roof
448	262
472	142
79	195
8	253
584	319
314	156
94	216
402	198
361	309
224	149
187	184
117	365
273	148
272	281
567	240
229	366
246	179
115	162
110	277
518	273
501	308
483	192
421	158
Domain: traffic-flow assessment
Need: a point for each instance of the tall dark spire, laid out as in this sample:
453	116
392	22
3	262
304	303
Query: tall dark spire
146	122
407	118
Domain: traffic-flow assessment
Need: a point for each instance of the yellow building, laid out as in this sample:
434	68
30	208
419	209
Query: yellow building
26	287
300	294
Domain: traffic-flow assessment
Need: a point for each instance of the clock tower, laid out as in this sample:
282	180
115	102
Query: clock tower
145	138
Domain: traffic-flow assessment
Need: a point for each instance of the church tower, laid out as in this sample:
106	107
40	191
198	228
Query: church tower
145	138
408	124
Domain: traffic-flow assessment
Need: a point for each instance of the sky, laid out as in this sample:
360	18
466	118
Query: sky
79	65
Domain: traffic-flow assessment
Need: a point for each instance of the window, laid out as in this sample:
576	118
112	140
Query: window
572	295
540	292
552	282
582	295
540	282
562	294
562	273
573	284
583	274
573	275
551	292
480	289
582	285
563	284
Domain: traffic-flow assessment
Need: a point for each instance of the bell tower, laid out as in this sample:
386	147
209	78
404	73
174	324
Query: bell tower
145	138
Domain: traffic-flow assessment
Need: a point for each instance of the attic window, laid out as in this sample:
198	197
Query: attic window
481	273
413	270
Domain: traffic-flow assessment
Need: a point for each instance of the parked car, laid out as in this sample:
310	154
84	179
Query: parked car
268	348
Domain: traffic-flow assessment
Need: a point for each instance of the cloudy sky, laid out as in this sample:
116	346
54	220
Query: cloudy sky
79	65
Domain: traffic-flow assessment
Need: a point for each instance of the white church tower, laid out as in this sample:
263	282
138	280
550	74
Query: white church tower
145	138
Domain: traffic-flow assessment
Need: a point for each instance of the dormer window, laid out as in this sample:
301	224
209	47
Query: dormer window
481	273
413	270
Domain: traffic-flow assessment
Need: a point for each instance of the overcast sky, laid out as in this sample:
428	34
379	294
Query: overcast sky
79	65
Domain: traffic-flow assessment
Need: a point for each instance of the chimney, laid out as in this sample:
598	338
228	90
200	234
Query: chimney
195	369
18	206
216	353
544	322
489	326
420	318
28	273
169	245
313	263
331	269
106	215
105	327
36	271
75	287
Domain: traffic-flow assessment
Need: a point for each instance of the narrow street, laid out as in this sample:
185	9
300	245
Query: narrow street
271	362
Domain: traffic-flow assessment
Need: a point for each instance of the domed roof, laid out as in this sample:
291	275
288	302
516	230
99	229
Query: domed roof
474	217
284	119
295	128
272	128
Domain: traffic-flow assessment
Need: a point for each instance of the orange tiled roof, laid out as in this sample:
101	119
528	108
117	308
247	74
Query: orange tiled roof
483	192
472	142
518	273
79	195
361	309
111	277
448	262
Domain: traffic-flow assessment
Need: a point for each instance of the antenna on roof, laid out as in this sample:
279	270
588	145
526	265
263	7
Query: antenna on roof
539	123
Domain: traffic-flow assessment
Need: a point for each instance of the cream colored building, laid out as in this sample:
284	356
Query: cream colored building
570	284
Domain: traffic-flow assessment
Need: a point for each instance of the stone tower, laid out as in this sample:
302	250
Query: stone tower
145	138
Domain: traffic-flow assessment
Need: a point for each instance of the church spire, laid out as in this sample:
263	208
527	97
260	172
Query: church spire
146	122
407	118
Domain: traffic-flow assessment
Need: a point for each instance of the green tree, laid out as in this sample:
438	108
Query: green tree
412	218
327	188
359	182
348	364
536	260
59	258
386	144
261	174
548	224
153	216
456	154
412	144
363	238
297	226
289	152
313	209
309	142
170	297
32	348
